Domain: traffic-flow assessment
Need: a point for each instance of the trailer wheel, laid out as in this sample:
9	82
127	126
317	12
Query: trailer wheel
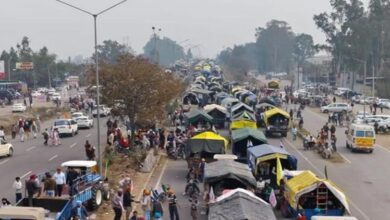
96	200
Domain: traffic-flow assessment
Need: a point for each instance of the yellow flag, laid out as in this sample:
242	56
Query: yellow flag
278	171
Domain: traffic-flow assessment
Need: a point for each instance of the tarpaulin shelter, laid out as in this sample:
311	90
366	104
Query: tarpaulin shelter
218	113
251	99
267	100
240	107
228	102
262	159
196	116
220	96
240	204
306	185
228	174
244	138
207	143
190	98
243	120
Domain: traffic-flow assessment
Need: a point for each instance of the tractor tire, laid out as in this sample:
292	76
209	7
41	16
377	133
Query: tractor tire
96	200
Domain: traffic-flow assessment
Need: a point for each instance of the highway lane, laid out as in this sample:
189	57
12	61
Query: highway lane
33	157
363	175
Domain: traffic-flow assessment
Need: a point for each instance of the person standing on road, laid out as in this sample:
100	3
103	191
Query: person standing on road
89	150
294	132
117	204
45	136
32	188
172	204
127	200
146	204
18	186
14	130
49	185
2	134
60	180
332	130
21	134
71	177
34	128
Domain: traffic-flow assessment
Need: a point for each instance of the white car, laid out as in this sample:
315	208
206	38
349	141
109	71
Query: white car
50	91
76	115
66	126
6	149
18	107
55	96
368	100
84	122
36	94
381	102
362	114
336	107
103	111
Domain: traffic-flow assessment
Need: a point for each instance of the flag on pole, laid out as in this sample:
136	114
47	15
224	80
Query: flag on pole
272	199
278	171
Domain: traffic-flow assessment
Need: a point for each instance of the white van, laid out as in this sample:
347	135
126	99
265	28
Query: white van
360	137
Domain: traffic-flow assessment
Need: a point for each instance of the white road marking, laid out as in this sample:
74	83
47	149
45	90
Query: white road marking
345	158
88	135
4	161
73	145
53	157
161	174
26	174
384	148
30	148
320	172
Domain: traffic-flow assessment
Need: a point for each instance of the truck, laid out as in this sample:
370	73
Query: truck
89	188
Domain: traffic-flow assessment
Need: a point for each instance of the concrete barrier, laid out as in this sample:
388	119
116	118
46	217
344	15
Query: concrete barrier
149	162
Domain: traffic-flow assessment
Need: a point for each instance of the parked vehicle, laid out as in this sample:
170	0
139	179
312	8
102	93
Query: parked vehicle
88	188
368	100
360	137
103	111
66	127
5	94
340	91
6	149
30	213
76	115
381	102
276	121
18	107
336	107
55	96
84	122
357	98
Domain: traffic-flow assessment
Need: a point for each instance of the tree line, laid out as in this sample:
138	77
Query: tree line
276	49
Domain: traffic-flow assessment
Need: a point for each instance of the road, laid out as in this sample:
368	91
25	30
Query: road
32	156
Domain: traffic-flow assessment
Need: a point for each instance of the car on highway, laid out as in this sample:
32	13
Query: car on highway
76	115
357	98
50	91
36	94
84	122
55	96
6	149
336	107
360	137
66	127
340	91
18	107
103	111
382	102
368	100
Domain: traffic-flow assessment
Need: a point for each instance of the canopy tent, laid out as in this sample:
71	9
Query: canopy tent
267	100
211	107
240	93
240	204
273	84
206	142
267	157
268	115
195	116
245	115
251	99
229	102
230	174
307	182
218	113
239	107
190	98
244	138
200	91
236	88
215	88
264	105
242	123
220	96
200	78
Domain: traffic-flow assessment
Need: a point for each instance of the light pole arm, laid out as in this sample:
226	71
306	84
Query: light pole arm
107	9
75	7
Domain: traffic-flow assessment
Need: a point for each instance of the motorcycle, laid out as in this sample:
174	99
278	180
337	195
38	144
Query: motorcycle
171	151
192	189
180	153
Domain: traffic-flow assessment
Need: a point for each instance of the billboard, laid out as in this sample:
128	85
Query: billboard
2	70
24	65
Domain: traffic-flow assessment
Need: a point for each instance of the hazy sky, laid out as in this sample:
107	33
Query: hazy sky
212	24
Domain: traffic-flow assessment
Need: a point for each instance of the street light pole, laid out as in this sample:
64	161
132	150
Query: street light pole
100	162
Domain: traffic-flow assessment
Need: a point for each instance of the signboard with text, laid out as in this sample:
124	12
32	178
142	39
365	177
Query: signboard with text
24	65
2	70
